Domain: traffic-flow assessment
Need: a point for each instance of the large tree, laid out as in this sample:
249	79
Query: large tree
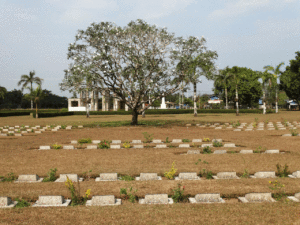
195	60
223	80
36	95
290	79
26	80
2	92
133	61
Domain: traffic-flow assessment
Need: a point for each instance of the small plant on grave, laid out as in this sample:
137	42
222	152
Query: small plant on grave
278	188
127	178
294	132
167	140
32	131
21	203
231	152
245	174
206	140
87	175
207	150
9	177
282	171
254	124
206	173
148	137
185	140
11	134
256	120
217	144
84	141
171	146
104	144
193	145
18	131
285	123
238	123
51	176
56	146
170	174
128	194
126	144
178	195
75	194
63	127
259	149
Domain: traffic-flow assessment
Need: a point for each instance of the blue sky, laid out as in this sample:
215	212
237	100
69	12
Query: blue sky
35	34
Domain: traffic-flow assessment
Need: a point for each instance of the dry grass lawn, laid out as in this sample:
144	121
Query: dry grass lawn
19	155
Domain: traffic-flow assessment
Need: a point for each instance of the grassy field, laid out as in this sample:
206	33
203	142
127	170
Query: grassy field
19	155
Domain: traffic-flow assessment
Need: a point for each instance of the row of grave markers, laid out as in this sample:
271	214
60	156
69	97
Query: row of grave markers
110	200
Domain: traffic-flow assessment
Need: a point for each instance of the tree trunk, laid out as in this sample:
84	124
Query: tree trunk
226	98
87	105
36	111
31	104
143	113
237	101
195	96
276	103
264	106
134	120
30	93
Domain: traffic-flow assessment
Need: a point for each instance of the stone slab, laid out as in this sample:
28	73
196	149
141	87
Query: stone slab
196	140
45	147
220	152
156	199
246	151
161	146
218	128
226	175
237	130
207	198
229	145
68	147
18	135
136	141
193	152
206	145
91	147
273	151
107	177
74	142
103	200
148	176
38	132
30	178
115	146
73	177
176	141
295	174
96	141
6	202
256	198
187	176
3	134
51	201
286	135
156	141
264	174
184	145
116	141
216	140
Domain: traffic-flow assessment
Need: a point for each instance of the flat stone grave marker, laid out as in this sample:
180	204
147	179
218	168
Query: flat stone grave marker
116	141
156	199
107	177
218	128
68	147
18	135
176	140
54	130
3	134
187	176
29	130
136	141
11	132
148	176
45	147
92	147
229	145
196	140
274	151
295	174
188	125
27	126
260	129
295	198
156	141
52	200
74	142
264	174
11	128
72	177
287	135
193	152
115	146
96	141
24	132
103	200
30	178
230	127
6	202
248	129
161	146
237	130
212	126
271	129
207	198
17	126
206	145
256	198
138	146
220	152
38	132
184	145
16	129
226	175
246	151
80	126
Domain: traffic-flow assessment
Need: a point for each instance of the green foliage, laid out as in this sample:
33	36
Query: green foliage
185	140
104	144
206	140
206	173
127	178
56	146
87	175
128	194
178	195
6	114
21	203
278	188
259	149
294	132
148	137
217	144
207	150
75	193
63	126
126	144
170	174
282	171
8	178
245	174
84	140
167	140
51	176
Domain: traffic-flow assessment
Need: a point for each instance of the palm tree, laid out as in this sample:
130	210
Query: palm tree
235	79
25	80
266	80
273	80
223	80
36	95
2	92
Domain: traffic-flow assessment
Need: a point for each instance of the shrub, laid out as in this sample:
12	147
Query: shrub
178	195
185	140
86	175
56	146
148	137
217	144
170	175
206	173
127	178
63	126
21	203
75	194
84	140
104	144
207	150
245	174
9	177
126	144
294	132
128	195
206	140
279	188
282	171
51	176
167	140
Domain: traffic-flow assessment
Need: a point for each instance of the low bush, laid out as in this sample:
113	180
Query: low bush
104	144
56	146
217	144
127	178
8	178
84	141
51	176
75	194
207	150
170	174
282	171
21	203
126	144
178	194
148	137
128	194
185	140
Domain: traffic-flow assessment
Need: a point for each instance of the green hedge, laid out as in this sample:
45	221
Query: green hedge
52	114
14	113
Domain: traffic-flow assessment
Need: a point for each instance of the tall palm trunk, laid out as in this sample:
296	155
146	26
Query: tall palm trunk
87	105
36	111
264	106
276	103
226	98
30	93
195	96
237	100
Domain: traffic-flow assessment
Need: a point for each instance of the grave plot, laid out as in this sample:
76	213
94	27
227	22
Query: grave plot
264	174
187	176
30	178
52	201
256	198
226	175
6	202
103	200
295	174
148	176
108	177
156	199
207	198
72	177
295	198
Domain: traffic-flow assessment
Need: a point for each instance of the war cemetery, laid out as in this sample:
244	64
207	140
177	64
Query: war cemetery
132	149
